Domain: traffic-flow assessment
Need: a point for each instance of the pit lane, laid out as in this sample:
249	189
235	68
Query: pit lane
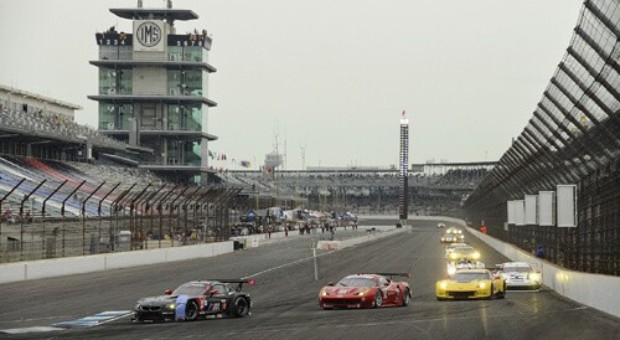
285	299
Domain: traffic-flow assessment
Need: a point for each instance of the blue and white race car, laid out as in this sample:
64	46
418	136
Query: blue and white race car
196	300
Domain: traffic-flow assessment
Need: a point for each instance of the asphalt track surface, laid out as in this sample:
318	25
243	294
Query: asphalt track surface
285	298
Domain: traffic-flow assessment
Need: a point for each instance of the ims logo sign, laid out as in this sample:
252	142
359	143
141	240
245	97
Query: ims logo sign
148	34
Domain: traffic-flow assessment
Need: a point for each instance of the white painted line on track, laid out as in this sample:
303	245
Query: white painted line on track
89	321
320	255
35	329
94	320
286	265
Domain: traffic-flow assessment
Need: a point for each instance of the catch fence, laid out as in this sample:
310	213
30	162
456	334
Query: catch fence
572	138
47	220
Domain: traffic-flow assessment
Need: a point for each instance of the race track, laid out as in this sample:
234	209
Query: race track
285	298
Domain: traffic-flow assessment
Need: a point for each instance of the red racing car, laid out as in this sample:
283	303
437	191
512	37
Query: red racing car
366	291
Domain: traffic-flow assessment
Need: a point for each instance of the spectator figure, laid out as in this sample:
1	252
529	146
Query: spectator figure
539	252
28	217
483	229
269	230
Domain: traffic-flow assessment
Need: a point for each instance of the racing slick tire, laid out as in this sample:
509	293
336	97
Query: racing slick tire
378	300
492	295
406	297
240	307
191	310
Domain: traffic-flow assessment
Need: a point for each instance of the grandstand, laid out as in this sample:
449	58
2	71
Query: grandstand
434	189
66	189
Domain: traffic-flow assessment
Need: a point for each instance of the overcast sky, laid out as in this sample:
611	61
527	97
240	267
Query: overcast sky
328	76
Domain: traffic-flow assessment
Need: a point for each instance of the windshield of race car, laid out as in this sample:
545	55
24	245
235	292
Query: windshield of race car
463	277
357	282
191	289
517	269
463	250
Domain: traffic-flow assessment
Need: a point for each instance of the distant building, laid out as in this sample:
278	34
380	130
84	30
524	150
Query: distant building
153	90
23	101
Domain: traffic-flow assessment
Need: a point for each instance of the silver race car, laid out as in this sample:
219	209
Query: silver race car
520	275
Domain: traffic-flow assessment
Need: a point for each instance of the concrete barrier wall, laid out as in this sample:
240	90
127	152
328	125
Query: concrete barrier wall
340	244
20	271
256	240
594	290
71	265
12	272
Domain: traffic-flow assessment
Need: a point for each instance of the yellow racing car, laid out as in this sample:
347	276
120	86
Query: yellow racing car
462	252
471	284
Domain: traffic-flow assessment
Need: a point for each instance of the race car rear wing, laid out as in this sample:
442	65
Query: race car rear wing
391	275
239	282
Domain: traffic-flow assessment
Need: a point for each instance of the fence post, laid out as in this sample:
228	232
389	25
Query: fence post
184	205
21	219
198	203
84	219
159	209
171	207
148	207
110	212
1	212
132	221
43	217
113	213
62	213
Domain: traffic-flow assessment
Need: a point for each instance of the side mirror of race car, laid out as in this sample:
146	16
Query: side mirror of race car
330	283
168	291
214	292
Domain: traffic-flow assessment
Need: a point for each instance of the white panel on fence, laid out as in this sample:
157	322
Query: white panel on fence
566	205
545	208
511	212
519	212
530	210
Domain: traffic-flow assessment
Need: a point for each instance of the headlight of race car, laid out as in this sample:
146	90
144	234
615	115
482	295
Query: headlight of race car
443	285
454	256
324	292
482	285
534	277
476	255
137	306
170	306
364	292
451	271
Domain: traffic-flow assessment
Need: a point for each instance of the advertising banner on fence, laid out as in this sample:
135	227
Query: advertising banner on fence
567	205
